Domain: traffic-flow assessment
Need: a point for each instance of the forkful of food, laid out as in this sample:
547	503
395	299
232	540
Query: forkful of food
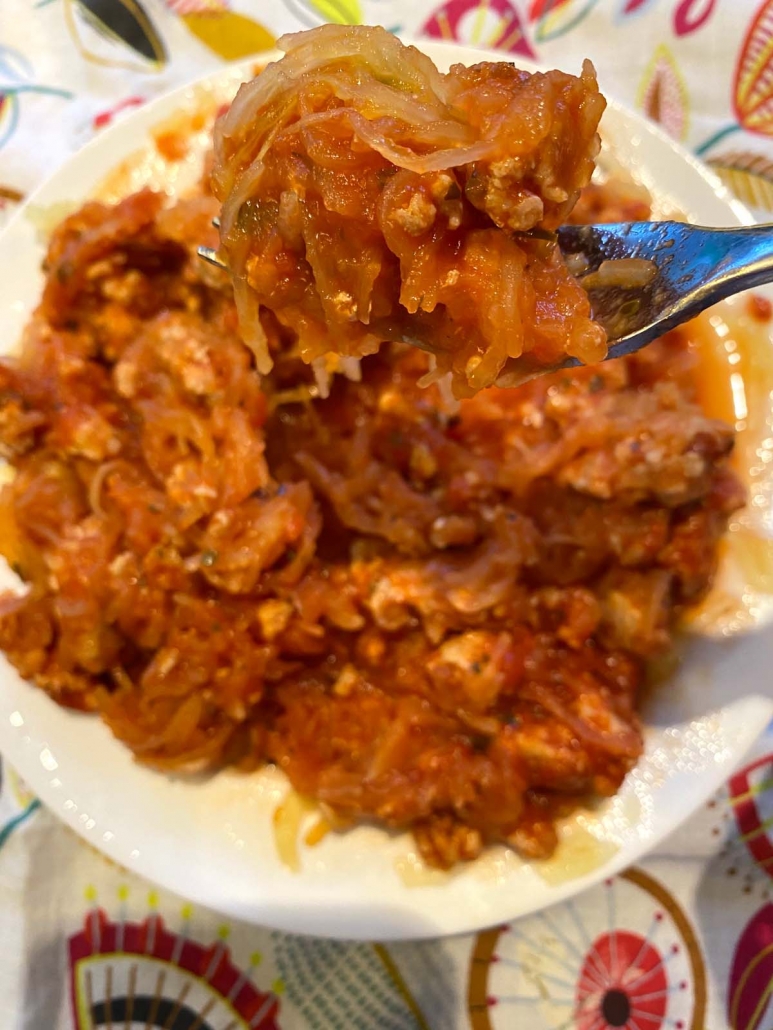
367	197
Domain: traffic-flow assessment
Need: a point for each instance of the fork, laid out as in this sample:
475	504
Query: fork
691	268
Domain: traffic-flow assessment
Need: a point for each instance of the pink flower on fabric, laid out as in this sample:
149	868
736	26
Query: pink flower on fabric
623	984
751	974
692	15
491	24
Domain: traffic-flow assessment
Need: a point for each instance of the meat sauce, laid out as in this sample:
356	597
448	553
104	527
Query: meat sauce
368	197
431	615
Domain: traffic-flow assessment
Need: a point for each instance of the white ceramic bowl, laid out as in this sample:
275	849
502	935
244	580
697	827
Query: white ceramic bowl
212	841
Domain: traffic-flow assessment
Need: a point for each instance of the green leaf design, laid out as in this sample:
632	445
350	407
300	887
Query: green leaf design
343	12
559	18
748	175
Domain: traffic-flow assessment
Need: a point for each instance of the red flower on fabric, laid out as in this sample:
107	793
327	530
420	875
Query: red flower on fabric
753	82
125	973
753	86
623	984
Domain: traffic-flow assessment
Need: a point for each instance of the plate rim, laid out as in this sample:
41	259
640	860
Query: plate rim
156	110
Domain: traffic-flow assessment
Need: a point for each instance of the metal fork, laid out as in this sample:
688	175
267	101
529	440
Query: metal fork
694	267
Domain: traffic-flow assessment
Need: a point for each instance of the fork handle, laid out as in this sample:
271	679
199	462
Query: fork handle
696	266
742	258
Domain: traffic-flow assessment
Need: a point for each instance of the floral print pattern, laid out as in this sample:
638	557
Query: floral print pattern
627	954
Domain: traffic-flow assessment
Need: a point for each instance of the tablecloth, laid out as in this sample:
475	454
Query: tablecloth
682	941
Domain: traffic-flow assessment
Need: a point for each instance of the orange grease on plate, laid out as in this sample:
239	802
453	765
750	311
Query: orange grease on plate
175	150
578	853
736	385
288	819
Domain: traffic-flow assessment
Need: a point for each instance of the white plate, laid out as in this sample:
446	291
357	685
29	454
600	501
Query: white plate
212	841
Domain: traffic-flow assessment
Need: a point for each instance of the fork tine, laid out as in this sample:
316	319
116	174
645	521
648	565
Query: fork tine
209	255
216	221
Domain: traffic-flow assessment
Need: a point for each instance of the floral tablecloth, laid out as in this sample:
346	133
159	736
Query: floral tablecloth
683	941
